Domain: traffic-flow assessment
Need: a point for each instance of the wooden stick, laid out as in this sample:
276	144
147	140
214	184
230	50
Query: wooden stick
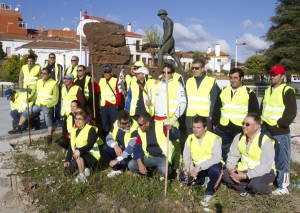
28	119
93	91
168	136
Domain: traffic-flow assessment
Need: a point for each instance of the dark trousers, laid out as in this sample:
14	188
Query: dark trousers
15	116
254	185
108	116
110	154
227	139
214	173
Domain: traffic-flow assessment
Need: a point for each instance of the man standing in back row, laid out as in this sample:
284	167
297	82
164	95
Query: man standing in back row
278	110
232	105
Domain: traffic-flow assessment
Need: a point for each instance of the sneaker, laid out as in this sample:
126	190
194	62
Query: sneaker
87	172
16	130
207	200
49	139
204	185
244	194
81	178
114	173
281	191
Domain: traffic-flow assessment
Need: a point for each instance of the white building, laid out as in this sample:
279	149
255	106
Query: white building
218	60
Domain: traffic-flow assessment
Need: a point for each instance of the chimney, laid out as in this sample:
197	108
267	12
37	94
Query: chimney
129	27
217	50
208	50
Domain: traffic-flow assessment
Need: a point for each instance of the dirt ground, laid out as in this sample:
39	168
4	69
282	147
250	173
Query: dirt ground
13	199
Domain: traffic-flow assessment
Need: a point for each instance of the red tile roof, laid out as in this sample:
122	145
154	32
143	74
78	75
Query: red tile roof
212	53
52	44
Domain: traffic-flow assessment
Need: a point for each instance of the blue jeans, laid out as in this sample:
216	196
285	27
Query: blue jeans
151	162
282	159
48	112
110	154
214	173
108	116
227	139
15	116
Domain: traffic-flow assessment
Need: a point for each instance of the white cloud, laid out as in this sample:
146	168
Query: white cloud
260	25
247	23
253	43
113	18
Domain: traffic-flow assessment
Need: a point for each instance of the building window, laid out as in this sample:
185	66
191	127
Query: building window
137	48
138	58
131	57
219	60
22	24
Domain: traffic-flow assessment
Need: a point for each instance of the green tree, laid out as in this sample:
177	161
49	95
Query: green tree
255	65
2	53
12	66
153	38
285	37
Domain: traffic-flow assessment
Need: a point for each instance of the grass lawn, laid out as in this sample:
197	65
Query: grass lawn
130	192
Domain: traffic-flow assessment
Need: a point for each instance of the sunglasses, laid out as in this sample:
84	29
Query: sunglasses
44	73
125	123
73	60
247	124
163	72
79	70
141	124
195	68
52	57
79	119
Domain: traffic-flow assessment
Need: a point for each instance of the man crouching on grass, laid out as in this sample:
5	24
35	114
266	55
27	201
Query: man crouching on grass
202	157
250	163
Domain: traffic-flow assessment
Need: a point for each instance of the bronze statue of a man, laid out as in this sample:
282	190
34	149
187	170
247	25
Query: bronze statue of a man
168	42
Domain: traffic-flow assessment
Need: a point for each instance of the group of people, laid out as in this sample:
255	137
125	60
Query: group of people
225	134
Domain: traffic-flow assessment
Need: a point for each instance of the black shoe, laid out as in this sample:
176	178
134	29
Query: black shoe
49	139
15	131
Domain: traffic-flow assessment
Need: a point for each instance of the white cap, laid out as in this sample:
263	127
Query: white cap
142	70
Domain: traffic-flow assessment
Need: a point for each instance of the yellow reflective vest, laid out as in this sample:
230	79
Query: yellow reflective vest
19	102
135	89
73	71
251	159
82	140
273	105
129	79
127	135
203	152
199	98
173	102
70	123
161	140
47	93
67	97
108	93
86	91
30	77
234	108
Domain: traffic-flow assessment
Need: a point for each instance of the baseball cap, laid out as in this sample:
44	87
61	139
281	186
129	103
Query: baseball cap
107	69
139	64
9	93
277	69
142	70
69	76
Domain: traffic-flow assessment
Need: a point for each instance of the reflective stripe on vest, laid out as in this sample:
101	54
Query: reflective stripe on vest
234	108
273	105
199	98
82	140
67	97
135	89
201	152
45	91
127	135
161	140
106	92
30	77
86	88
70	123
251	159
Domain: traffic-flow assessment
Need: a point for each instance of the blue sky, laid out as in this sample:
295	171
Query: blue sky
198	24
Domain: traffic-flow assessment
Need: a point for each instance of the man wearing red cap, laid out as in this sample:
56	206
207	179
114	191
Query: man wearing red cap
278	110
